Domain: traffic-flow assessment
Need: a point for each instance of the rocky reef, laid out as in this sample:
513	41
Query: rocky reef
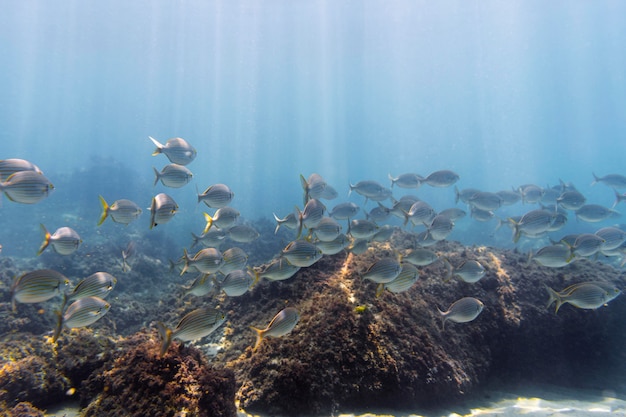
351	349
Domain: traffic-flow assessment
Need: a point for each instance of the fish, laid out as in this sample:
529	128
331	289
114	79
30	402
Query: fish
335	246
420	213
127	253
278	269
403	282
64	240
234	258
173	176
532	223
612	180
470	270
207	261
121	211
571	200
408	180
223	218
329	193
217	196
310	216
162	209
403	205
313	187
290	221
211	239
593	213
485	200
440	227
99	284
443	178
358	246
371	189
344	211
362	229
194	325
587	244
531	193
464	195
38	286
177	150
586	295
10	166
82	312
326	230
202	285
282	324
238	282
242	233
613	237
453	213
420	257
383	271
383	233
302	253
26	187
378	214
509	197
462	311
553	256
481	215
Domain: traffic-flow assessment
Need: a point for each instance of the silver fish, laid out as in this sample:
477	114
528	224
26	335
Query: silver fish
234	258
532	223
531	193
207	261
98	285
612	180
238	282
126	254
553	256
443	178
420	257
469	271
223	218
485	200
403	282
290	221
173	175
177	150
383	271
440	227
302	253
162	209
282	324
371	189
334	246
362	229
378	214
587	295
121	211
217	196
329	193
26	187
587	244
81	313
311	215
408	180
595	213
453	213
420	213
571	200
278	269
402	206
38	286
383	233
481	215
613	237
344	211
509	197
201	286
464	195
313	187
242	233
64	240
195	325
327	229
9	167
211	239
359	246
462	311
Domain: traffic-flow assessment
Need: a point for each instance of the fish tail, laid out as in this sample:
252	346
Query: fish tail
195	238
553	296
259	337
595	178
105	210
530	257
59	326
157	175
209	222
618	199
166	337
517	233
450	269
392	179
278	222
443	315
351	188
186	258
380	288
157	144
46	239
457	194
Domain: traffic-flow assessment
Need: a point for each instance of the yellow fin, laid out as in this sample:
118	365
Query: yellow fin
46	239
259	337
105	210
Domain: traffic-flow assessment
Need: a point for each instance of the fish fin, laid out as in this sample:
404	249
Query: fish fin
166	337
157	175
553	296
186	258
59	325
105	210
305	187
158	145
46	239
449	267
195	238
259	337
595	178
299	223
392	179
209	222
278	220
530	257
380	288
443	319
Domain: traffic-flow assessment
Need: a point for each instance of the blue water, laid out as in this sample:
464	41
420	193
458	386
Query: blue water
504	93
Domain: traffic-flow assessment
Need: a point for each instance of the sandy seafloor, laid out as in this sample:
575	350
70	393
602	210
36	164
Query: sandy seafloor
541	401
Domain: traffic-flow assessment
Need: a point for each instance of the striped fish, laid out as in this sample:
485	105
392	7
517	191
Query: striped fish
202	285
81	313
238	282
420	212
362	229
311	216
440	227
384	233
327	229
177	150
585	295
420	257
462	311
211	239
242	233
9	167
121	211
586	244
443	178
470	270
329	193
278	270
217	196
98	285
406	278
281	324
532	223
302	253
234	258
402	206
553	256
26	187
38	286
223	218
313	187
408	180
195	325
64	240
593	213
290	221
383	271
334	246
162	209
344	211
613	237
173	176
207	261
